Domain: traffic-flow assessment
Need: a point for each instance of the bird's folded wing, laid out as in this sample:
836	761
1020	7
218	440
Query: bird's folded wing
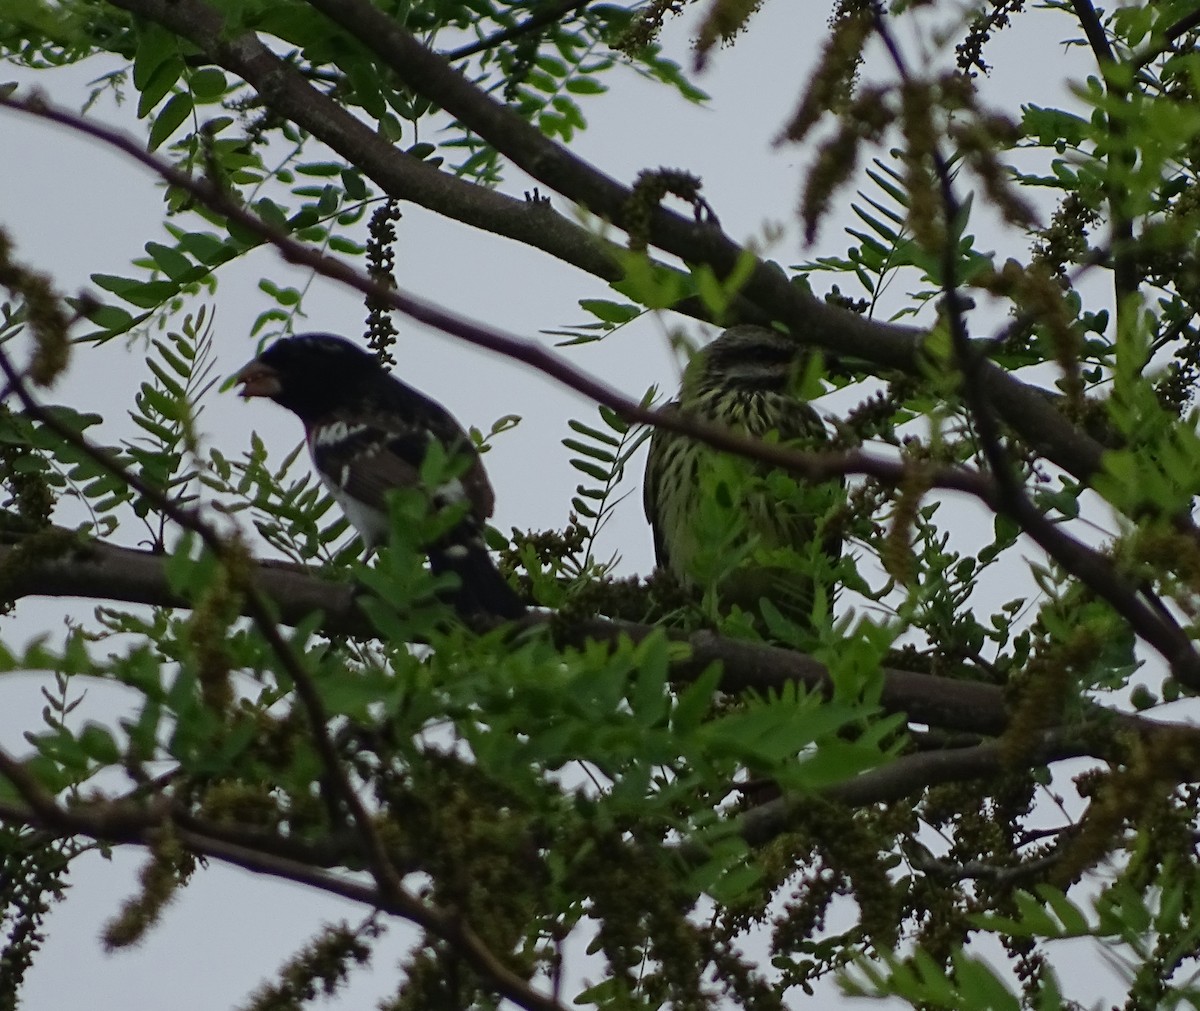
366	461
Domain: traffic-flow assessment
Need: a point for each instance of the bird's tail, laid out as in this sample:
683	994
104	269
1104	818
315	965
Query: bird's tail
481	589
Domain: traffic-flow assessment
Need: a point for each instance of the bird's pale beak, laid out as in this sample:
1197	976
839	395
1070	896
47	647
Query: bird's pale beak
257	380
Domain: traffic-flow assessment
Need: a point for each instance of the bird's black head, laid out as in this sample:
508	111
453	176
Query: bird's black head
310	374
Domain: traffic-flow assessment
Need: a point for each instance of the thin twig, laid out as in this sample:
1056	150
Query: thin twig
547	15
973	869
911	775
1124	264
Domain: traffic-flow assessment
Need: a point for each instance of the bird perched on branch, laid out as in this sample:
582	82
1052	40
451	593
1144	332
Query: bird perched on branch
369	434
744	529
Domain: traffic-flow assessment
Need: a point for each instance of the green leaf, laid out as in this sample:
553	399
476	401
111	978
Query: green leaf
979	987
321	168
593	433
272	214
157	48
206	247
169	383
169	260
354	184
151	294
97	742
585	86
591	470
604	456
347	247
1052	126
111	317
610	312
173	115
160	432
159	86
694	702
649	699
208	84
364	78
181	368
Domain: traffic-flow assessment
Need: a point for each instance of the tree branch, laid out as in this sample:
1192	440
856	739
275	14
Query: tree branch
1125	274
1089	21
812	466
909	776
972	869
100	571
107	572
1027	409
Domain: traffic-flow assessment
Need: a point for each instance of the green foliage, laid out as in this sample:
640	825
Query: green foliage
203	119
65	470
546	785
609	316
888	251
973	985
289	507
601	457
33	876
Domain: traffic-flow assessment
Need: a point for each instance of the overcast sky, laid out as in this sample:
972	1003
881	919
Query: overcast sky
81	210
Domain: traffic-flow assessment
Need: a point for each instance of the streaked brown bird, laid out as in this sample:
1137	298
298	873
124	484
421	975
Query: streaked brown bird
729	524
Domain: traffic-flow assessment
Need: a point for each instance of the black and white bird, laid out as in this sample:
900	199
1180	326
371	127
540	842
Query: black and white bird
368	433
729	524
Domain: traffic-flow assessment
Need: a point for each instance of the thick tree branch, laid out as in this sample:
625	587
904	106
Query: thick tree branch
814	466
1089	21
101	571
1028	410
107	572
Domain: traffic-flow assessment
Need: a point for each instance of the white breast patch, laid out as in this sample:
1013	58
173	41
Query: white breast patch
371	524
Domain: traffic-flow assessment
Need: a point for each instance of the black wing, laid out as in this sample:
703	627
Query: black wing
379	444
